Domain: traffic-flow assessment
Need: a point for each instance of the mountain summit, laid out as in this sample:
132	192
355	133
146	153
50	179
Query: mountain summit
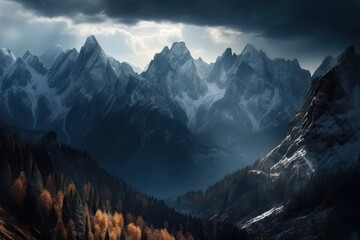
179	49
49	56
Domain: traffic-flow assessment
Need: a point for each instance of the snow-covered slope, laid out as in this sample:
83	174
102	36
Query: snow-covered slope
260	94
175	73
35	97
236	95
218	73
49	56
23	87
203	68
6	58
323	138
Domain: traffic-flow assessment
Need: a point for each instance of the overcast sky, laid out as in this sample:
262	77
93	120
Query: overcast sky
134	30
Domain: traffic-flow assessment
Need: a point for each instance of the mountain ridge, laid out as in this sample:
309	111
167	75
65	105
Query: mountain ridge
85	94
322	142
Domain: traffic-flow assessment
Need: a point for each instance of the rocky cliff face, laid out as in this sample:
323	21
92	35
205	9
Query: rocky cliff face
323	140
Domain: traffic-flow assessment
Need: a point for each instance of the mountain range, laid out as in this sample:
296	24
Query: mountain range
180	125
309	178
180	117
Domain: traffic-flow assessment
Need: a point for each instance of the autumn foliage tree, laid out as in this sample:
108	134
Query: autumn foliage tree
132	232
60	228
101	224
116	226
45	200
58	205
156	234
18	189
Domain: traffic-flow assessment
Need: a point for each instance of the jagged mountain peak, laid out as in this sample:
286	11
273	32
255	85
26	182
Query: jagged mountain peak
179	49
20	62
6	59
91	51
226	60
6	53
34	62
51	54
202	67
346	70
348	54
329	62
326	65
255	58
250	53
55	48
201	60
226	54
175	55
91	41
164	51
26	55
17	75
91	46
249	48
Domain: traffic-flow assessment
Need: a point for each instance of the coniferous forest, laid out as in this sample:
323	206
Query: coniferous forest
65	194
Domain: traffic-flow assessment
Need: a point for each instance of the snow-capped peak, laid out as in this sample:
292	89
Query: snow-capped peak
6	59
179	49
18	74
251	56
202	67
6	53
249	48
49	56
91	43
91	51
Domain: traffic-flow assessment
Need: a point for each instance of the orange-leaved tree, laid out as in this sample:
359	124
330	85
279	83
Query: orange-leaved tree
132	232
18	189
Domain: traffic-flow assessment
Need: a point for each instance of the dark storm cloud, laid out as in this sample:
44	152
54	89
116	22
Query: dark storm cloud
331	21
